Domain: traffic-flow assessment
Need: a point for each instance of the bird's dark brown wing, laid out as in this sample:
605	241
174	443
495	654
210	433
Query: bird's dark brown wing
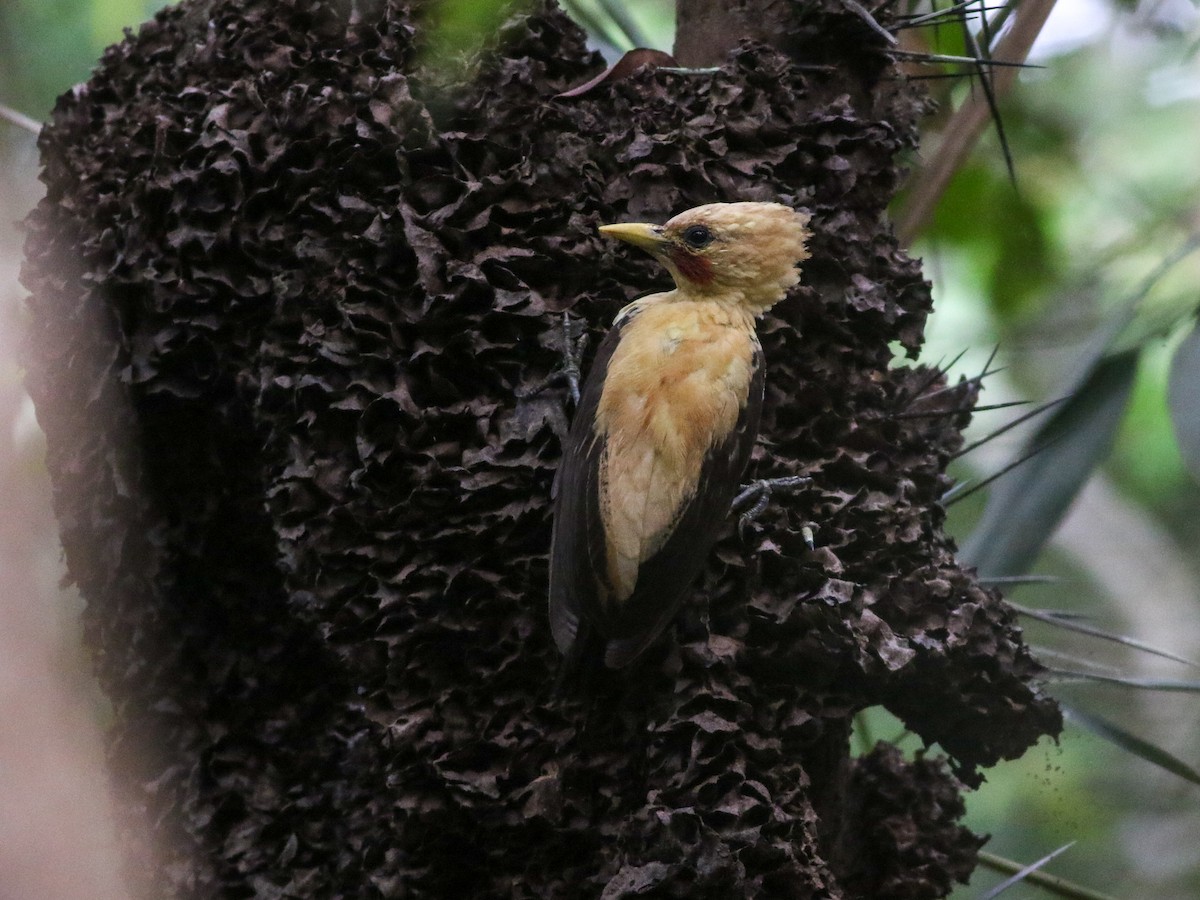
577	549
665	578
578	555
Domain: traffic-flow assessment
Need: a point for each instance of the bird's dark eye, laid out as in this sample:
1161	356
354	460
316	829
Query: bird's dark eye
697	237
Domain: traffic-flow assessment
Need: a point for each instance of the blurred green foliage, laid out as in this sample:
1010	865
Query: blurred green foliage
458	28
1002	231
616	26
1108	179
48	45
1108	192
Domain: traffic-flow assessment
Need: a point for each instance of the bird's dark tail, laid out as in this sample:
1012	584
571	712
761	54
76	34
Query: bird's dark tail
581	664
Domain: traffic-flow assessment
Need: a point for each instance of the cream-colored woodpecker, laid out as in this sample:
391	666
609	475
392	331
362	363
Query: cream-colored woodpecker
666	423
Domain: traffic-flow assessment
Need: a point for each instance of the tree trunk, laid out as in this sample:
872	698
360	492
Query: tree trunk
706	31
290	284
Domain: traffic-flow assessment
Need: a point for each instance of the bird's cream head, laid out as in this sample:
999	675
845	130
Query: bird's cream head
746	252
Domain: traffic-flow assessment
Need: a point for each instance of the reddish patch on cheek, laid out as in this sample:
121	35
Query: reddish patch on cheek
696	269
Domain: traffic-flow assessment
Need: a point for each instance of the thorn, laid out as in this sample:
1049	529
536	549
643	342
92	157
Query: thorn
937	58
1013	424
1004	471
1021	579
929	17
936	372
936	23
948	497
987	366
10	115
933	414
945	370
863	13
934	76
976	380
989	95
985	27
988	407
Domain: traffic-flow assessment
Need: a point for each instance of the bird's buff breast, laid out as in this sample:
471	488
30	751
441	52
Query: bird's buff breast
675	386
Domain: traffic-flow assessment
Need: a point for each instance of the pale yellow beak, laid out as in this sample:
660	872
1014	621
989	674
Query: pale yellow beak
648	237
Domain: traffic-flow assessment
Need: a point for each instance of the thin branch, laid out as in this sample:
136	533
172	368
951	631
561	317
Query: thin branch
967	124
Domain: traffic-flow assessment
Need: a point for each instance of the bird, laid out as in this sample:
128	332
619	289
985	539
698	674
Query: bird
665	425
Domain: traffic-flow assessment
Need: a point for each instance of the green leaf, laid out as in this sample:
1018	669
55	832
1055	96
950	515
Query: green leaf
622	26
621	16
1183	399
1024	873
1156	309
1131	743
1025	508
1055	618
599	25
1060	887
1027	504
1051	657
1144	684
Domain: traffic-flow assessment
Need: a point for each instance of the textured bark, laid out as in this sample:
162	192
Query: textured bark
707	30
288	289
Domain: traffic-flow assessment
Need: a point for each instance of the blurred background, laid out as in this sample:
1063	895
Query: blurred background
1080	272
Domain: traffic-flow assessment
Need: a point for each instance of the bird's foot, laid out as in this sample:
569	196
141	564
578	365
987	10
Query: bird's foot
573	341
757	496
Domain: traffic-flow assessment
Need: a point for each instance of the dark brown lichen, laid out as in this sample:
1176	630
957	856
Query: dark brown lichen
288	288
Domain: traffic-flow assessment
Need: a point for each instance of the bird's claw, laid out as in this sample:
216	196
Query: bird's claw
574	340
758	495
